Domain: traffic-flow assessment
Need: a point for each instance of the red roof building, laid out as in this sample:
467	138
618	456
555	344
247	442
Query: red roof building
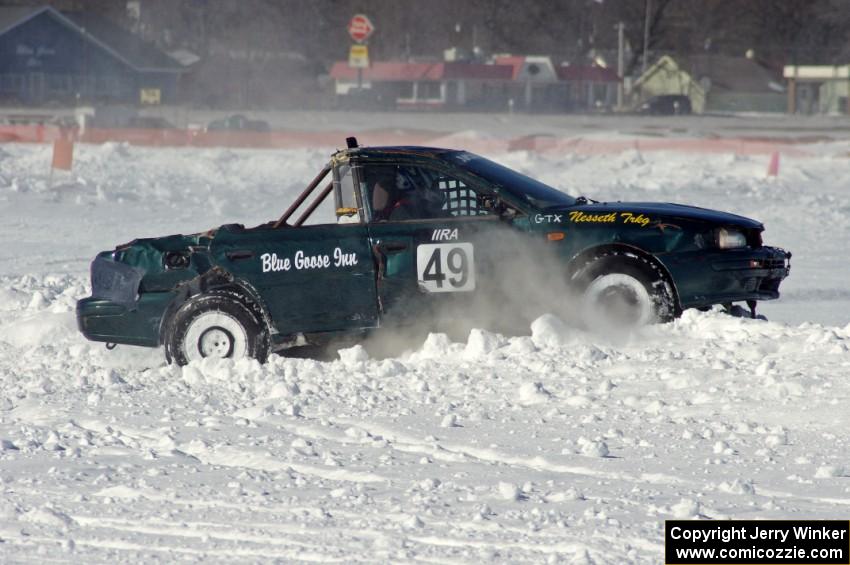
574	73
519	82
392	71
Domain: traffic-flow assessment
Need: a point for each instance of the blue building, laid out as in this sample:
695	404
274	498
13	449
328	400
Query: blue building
47	56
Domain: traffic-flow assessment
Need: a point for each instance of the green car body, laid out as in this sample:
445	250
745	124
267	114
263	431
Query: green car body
357	273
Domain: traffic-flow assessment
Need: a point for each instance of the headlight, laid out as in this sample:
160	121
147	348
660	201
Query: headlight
730	239
175	260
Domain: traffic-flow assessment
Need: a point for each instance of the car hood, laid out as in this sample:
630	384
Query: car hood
147	253
659	210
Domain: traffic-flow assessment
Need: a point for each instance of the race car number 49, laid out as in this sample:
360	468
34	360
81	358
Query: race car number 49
406	252
446	267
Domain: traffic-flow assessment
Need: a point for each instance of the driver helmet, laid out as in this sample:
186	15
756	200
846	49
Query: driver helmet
403	182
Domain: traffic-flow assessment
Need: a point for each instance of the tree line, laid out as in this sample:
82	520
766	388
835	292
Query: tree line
781	30
304	37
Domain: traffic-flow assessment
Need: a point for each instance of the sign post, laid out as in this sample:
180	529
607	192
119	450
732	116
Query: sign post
359	28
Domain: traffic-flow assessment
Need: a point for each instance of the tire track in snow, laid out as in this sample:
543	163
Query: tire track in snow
127	493
407	443
217	531
453	453
549	548
225	456
231	553
790	495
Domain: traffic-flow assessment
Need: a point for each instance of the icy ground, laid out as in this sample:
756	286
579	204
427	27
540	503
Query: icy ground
555	446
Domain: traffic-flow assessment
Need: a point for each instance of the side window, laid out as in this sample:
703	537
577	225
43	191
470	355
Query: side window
345	198
460	200
410	192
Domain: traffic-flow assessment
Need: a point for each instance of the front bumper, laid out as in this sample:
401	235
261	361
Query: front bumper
733	275
760	274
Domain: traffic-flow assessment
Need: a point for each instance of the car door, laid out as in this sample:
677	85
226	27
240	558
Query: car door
312	278
443	252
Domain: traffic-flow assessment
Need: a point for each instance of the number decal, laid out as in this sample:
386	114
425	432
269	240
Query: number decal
432	271
458	267
445	267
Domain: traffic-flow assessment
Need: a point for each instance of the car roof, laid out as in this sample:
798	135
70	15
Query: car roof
383	152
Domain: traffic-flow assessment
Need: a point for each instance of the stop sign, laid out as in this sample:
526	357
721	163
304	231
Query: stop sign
360	28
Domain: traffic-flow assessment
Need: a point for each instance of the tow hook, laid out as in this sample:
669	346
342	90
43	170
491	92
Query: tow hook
111	346
752	305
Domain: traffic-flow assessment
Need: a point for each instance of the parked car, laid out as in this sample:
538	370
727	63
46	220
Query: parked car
667	105
238	122
149	122
413	228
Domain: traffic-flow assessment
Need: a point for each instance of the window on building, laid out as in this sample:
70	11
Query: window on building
405	90
59	84
11	82
430	91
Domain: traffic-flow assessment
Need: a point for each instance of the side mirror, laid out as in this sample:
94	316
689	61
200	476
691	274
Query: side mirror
494	203
506	212
487	201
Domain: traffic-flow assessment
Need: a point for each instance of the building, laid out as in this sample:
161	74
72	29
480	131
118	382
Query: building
534	82
821	89
47	56
425	85
528	83
714	83
589	87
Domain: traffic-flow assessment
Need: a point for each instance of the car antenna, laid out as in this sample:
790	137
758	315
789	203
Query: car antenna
351	142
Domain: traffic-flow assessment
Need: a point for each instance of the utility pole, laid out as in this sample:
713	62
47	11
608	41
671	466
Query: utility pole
620	65
648	9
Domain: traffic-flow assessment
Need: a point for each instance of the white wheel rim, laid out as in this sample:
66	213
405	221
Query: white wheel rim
597	314
215	334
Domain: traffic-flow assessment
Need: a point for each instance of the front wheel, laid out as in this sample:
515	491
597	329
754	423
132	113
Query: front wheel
218	325
624	292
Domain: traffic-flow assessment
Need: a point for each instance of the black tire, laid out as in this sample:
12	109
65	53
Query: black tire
620	290
220	325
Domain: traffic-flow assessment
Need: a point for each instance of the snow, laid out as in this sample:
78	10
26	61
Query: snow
558	445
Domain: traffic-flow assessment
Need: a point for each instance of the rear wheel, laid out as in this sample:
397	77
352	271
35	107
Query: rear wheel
218	325
623	291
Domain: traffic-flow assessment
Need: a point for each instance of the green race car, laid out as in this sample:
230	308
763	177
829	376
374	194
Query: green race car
389	235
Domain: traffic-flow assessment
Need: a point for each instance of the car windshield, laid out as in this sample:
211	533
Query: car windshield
532	191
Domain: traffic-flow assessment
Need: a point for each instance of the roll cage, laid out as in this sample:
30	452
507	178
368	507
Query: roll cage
343	208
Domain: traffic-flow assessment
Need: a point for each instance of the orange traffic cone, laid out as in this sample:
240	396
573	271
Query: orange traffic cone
63	157
773	166
63	154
